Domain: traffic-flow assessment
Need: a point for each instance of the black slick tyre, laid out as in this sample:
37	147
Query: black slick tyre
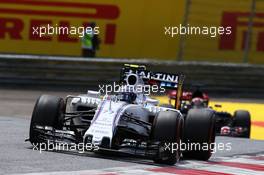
167	129
199	134
242	119
48	111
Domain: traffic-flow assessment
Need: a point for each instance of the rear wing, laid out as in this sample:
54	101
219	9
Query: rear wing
165	80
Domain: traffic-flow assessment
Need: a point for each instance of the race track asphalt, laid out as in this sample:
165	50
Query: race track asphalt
17	156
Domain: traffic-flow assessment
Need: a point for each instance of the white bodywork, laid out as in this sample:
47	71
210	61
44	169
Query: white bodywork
108	113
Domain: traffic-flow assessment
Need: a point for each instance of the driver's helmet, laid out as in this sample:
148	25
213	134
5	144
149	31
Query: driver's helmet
128	97
198	102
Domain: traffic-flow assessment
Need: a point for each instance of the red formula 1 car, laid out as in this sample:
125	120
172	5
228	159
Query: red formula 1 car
236	125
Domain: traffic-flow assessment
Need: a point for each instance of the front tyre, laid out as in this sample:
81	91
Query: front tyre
48	111
242	119
167	129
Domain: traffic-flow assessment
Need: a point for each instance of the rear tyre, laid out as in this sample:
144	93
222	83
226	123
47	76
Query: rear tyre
48	111
167	129
242	119
199	130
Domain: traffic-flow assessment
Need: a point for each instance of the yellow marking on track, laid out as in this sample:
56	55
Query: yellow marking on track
256	110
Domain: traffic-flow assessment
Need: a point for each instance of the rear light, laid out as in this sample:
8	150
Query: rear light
239	129
225	130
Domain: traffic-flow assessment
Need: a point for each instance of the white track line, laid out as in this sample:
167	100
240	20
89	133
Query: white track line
199	165
194	167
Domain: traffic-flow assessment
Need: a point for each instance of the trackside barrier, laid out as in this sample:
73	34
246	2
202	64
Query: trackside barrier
79	74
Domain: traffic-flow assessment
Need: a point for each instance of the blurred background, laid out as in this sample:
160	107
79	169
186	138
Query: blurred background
133	32
136	29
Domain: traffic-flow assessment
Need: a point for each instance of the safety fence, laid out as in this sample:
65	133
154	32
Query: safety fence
79	74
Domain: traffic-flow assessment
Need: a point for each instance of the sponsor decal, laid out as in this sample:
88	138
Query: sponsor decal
43	13
240	20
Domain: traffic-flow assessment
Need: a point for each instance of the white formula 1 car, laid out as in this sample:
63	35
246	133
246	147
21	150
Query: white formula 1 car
127	121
